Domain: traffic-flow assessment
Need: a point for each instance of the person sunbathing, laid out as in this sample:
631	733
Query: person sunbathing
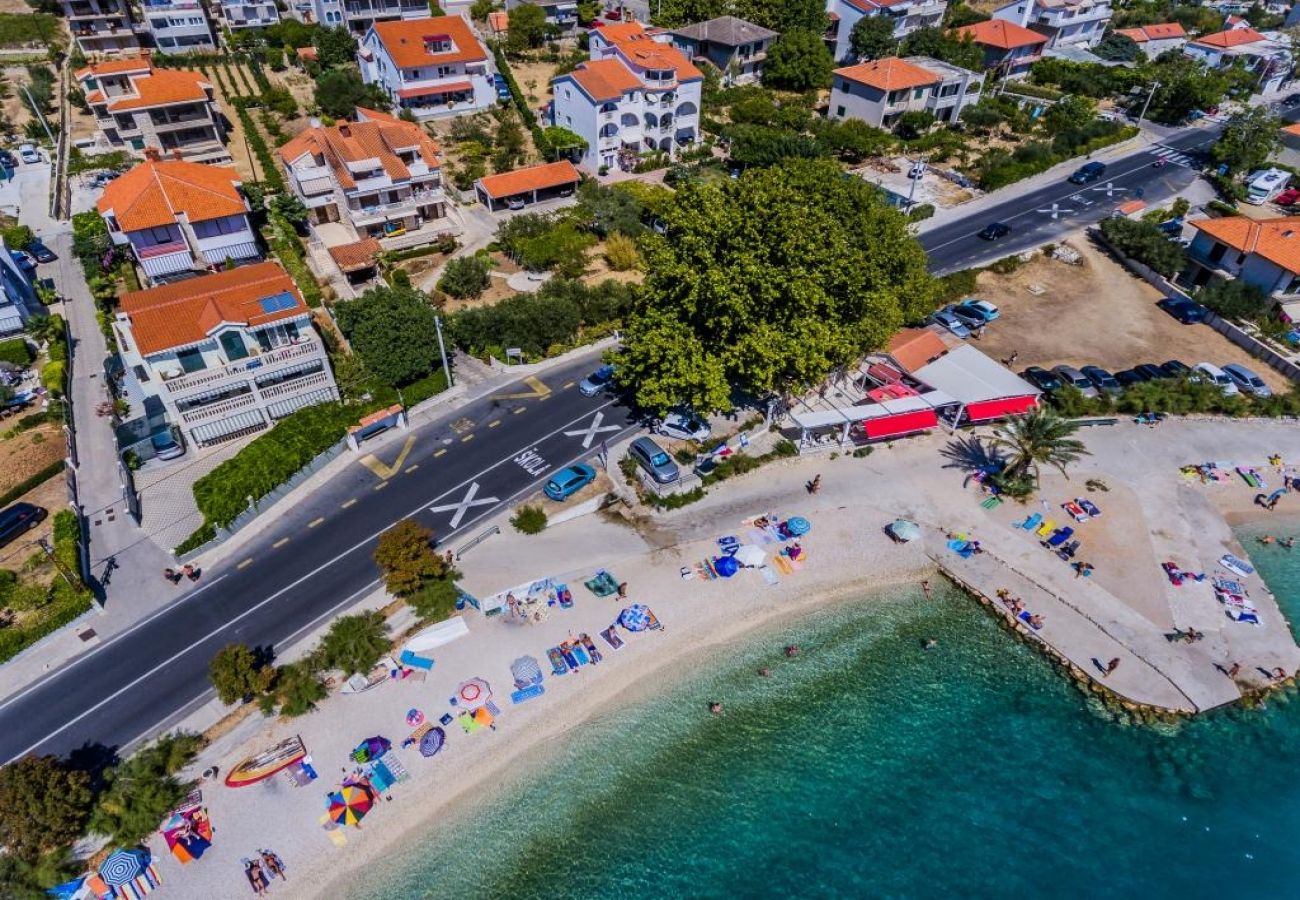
1036	620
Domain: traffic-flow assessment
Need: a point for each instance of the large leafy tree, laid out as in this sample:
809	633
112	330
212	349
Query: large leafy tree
943	45
1038	438
335	47
404	554
872	37
393	329
340	91
675	13
785	15
43	806
237	672
527	28
798	61
143	788
767	283
1069	113
355	643
1249	138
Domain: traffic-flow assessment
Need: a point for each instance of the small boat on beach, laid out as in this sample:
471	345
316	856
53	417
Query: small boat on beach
265	764
359	683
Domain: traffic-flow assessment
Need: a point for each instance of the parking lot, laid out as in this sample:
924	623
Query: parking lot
1095	313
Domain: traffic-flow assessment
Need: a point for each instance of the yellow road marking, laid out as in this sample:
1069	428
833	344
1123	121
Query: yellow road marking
350	502
410	469
539	390
245	564
372	462
280	543
440	452
314	522
494	423
380	486
468	437
518	409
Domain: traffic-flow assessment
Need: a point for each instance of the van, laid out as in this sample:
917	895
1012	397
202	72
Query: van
1264	185
1220	378
1088	173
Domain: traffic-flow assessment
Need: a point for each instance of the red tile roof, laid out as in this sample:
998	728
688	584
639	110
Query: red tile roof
376	136
606	79
889	74
115	67
405	41
1001	34
187	312
639	48
150	87
1277	240
532	178
153	193
1162	32
499	21
358	255
1225	39
912	348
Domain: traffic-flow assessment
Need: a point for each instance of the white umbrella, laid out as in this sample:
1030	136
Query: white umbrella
473	693
751	555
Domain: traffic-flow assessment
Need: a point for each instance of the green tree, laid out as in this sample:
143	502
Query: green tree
393	330
1117	48
675	13
607	210
1248	139
510	147
853	140
482	8
1233	299
784	15
527	28
872	37
296	690
1037	438
237	673
768	283
563	143
405	556
290	208
982	116
354	644
529	520
44	806
1069	113
335	47
914	123
465	276
945	46
1146	243
340	91
798	61
17	237
140	790
435	600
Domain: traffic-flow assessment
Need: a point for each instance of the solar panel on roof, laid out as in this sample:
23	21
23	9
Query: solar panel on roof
278	303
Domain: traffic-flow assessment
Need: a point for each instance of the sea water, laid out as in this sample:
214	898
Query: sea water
870	766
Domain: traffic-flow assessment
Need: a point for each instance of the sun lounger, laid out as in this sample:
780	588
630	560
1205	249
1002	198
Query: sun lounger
580	654
1062	535
1229	585
654	621
783	565
1046	528
1068	551
1074	511
1243	616
992	503
611	637
1250	476
1088	506
528	693
416	662
1032	522
557	661
1233	564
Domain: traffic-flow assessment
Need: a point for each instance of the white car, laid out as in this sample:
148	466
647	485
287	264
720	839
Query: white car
684	426
1221	378
28	153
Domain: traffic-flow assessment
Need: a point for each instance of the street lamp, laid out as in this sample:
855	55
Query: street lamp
1142	115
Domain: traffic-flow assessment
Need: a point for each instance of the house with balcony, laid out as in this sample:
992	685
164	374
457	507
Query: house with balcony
734	47
907	16
1267	54
226	355
433	67
18	300
1009	49
178	26
329	13
1156	39
1065	23
637	94
102	26
1264	253
249	13
380	177
880	91
361	15
138	106
177	216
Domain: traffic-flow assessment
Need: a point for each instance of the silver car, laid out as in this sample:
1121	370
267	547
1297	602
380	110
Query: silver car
655	460
1076	379
1247	381
684	426
946	320
597	381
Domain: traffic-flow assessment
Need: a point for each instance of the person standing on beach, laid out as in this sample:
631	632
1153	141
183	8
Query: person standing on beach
1112	665
815	485
925	588
1233	670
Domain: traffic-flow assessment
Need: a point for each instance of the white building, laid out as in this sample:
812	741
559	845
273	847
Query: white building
226	354
637	94
1156	39
1065	23
102	26
18	300
880	91
907	16
1267	54
359	15
249	13
433	67
1264	253
178	26
179	216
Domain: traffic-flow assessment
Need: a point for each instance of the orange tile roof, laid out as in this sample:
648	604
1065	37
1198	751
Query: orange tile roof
1277	240
151	87
620	31
375	136
639	48
115	67
307	53
1001	34
1293	129
499	20
405	41
1161	32
532	178
358	255
1226	39
912	348
153	193
605	79
187	312
889	74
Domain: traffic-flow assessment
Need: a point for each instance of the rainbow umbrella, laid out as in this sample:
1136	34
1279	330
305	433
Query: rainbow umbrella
349	805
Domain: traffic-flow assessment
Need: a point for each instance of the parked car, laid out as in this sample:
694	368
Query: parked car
597	381
42	253
1287	197
24	259
917	170
684	426
8	159
516	203
1129	377
165	445
983	308
1186	311
1076	379
567	482
28	153
1088	173
995	231
944	318
502	87
1175	369
1246	380
1213	373
970	318
1150	371
655	460
19	518
1101	379
1042	379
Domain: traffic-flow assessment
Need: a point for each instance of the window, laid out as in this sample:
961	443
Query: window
233	344
161	235
191	360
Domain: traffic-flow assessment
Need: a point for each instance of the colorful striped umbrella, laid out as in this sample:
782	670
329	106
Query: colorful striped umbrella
123	866
349	805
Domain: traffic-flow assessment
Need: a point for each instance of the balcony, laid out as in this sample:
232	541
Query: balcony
180	121
204	379
307	382
218	410
156	250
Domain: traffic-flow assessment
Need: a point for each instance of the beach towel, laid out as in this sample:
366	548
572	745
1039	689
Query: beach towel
1233	564
961	548
1229	585
654	621
483	718
570	660
992	503
611	637
1024	617
592	650
1175	574
782	564
1075	511
416	662
1046	528
564	595
467	722
580	654
1088	506
768	575
557	661
1061	536
1250	618
528	693
1031	523
602	584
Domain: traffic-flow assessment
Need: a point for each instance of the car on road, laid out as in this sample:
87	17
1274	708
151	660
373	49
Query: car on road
19	518
1150	371
42	253
1042	379
1175	368
684	426
1129	377
28	153
944	318
1246	380
1102	380
567	482
165	445
1076	379
655	460
995	231
1088	173
983	308
597	381
1211	372
1186	311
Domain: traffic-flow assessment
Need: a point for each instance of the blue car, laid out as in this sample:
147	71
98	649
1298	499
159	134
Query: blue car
567	482
597	381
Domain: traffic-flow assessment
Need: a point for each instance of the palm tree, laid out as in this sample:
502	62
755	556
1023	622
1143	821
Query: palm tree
1039	437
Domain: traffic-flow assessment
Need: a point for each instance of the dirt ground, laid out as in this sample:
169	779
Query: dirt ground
1095	313
51	495
497	291
535	80
26	453
16	111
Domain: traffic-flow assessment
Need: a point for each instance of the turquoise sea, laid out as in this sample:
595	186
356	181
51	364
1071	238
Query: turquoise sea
871	767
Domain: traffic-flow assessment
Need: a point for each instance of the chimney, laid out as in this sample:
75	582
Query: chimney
176	154
151	154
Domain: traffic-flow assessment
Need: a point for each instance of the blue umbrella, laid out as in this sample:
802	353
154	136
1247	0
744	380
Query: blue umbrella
123	866
798	526
726	566
432	740
635	618
526	671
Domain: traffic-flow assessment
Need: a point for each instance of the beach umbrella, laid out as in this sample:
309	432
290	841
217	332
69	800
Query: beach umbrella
637	617
905	530
726	566
750	555
371	748
123	866
414	717
798	526
473	693
349	805
526	670
432	741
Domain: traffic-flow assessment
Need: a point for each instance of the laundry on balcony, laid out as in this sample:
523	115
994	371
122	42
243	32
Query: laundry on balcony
452	87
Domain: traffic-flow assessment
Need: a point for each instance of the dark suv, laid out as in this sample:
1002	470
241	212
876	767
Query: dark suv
19	518
1088	173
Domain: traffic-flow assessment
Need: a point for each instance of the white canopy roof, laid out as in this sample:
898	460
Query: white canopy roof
969	376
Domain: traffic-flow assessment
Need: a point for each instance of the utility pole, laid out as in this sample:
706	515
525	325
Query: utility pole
442	348
40	116
1142	115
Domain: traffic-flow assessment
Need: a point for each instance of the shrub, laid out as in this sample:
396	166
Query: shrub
621	253
1233	299
529	520
435	600
556	315
16	351
237	673
44	805
296	690
17	237
404	554
141	789
1146	243
52	378
465	276
920	212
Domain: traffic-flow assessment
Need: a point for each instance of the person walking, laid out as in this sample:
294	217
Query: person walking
815	485
191	573
172	575
1112	665
1233	670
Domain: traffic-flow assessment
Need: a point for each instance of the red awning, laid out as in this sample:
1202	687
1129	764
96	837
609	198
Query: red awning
451	87
902	423
997	409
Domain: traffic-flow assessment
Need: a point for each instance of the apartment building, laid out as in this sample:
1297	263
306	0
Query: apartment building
1266	54
239	14
907	16
880	91
1065	23
1009	49
178	26
361	15
380	177
226	354
433	67
329	13
138	106
637	94
102	26
735	47
18	300
178	216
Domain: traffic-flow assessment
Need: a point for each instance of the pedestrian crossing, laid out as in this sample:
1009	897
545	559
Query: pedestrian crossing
1174	156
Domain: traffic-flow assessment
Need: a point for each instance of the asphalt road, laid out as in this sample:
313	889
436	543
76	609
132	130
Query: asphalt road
315	561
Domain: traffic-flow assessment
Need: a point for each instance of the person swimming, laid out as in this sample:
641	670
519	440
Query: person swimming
1288	543
1267	539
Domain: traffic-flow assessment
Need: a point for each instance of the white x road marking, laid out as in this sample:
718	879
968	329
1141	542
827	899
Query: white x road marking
1057	211
589	433
1110	189
464	505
